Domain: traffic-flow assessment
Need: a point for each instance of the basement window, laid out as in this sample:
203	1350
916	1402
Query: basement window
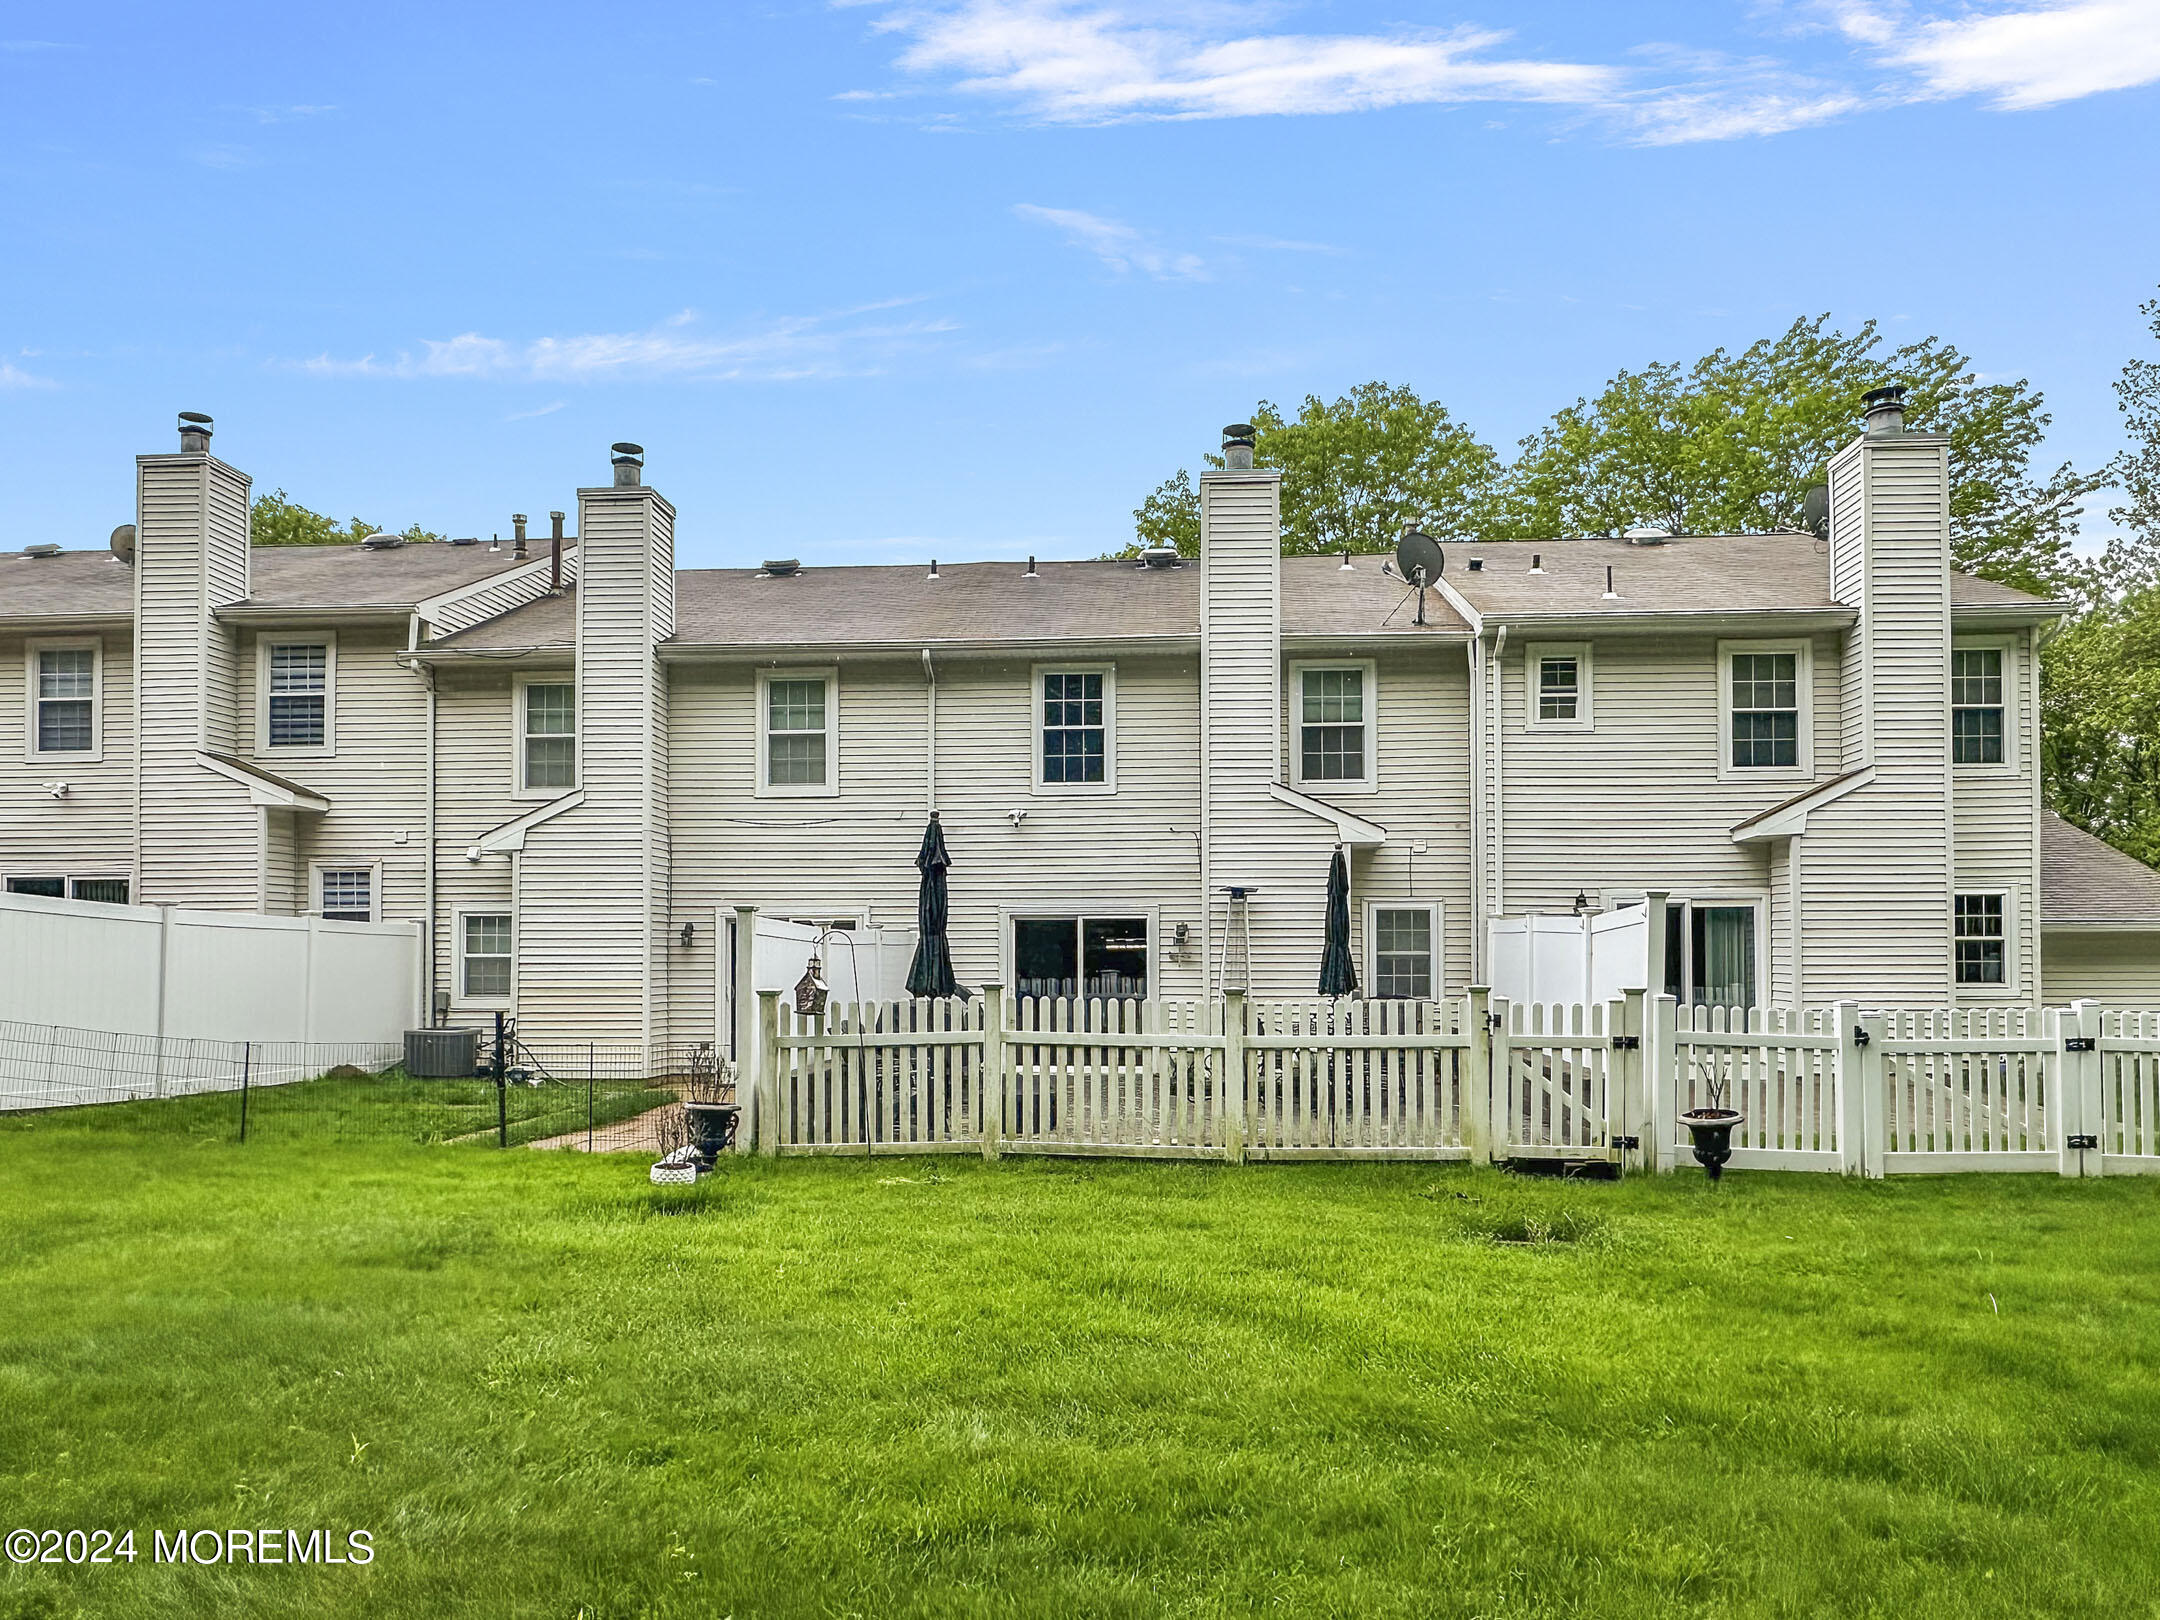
111	891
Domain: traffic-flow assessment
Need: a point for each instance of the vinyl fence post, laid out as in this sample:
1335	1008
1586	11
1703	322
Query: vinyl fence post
2077	1105
742	1038
990	1077
1846	1090
1661	1047
765	1058
247	1064
1475	1096
1233	1087
1869	1035
502	1090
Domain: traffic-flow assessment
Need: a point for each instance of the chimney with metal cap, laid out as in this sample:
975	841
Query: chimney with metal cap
517	535
194	433
1237	447
1885	410
629	464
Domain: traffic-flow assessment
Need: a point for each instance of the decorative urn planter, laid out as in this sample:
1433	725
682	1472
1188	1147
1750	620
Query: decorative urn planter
1712	1129
712	1128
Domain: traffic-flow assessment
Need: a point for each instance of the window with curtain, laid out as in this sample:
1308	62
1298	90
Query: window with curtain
1331	725
66	700
1976	706
1710	954
549	723
1765	710
299	694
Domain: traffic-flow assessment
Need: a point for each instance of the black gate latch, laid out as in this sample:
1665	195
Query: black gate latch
2081	1043
1627	1043
2082	1144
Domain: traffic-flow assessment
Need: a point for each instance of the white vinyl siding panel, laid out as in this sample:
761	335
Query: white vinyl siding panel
92	828
2122	969
1993	817
464	609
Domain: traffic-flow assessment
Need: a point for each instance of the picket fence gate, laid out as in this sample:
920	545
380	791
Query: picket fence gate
2072	1091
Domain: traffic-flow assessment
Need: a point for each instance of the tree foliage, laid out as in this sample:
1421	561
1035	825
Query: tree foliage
276	520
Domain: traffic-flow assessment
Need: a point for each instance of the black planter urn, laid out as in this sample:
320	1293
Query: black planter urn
1712	1129
712	1128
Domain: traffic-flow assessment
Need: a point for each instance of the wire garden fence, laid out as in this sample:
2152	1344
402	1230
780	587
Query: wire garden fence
592	1095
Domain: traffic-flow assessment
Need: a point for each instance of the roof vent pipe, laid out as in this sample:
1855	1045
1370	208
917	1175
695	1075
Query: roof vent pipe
933	568
194	433
1885	410
1237	446
629	464
1031	574
1537	563
1610	594
517	535
555	557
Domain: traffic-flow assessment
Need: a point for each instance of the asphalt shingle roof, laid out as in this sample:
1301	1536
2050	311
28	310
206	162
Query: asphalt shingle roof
2083	880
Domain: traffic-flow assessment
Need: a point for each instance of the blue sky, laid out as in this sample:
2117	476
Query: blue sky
881	281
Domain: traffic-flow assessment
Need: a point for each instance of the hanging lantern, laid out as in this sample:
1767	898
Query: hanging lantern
811	991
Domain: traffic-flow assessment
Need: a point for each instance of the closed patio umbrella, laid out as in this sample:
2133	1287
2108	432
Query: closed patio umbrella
1338	972
931	972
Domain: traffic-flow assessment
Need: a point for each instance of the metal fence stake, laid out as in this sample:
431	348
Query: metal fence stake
591	1051
502	1090
247	1065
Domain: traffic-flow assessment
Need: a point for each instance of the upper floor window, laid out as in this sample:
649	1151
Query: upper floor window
1075	740
1981	942
1976	706
63	678
297	684
547	736
1335	724
798	732
1559	687
1765	714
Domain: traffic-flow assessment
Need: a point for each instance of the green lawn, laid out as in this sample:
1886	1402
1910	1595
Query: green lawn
935	1387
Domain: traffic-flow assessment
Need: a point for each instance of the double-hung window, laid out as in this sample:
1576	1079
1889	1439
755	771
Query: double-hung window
1405	948
346	893
1980	939
484	955
298	679
63	681
1976	706
1333	706
1076	730
1559	686
1764	715
547	736
798	727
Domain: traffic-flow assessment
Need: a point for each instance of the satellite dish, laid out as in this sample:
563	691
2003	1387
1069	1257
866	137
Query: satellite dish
1815	510
123	542
1419	558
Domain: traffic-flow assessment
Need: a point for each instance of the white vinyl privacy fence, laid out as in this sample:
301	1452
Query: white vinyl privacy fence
2070	1091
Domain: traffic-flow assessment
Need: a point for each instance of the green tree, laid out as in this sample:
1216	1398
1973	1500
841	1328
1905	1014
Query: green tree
1355	471
275	520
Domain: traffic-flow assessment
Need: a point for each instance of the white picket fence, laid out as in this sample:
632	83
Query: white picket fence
2065	1090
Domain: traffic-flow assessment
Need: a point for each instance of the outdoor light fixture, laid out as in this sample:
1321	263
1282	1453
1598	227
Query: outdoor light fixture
689	933
1582	903
811	991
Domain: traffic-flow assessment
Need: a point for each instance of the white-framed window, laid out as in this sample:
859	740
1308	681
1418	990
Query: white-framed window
1402	949
1557	686
1765	719
110	891
1075	728
485	953
1980	939
1106	954
544	723
1334	726
64	682
1716	945
1983	683
346	891
296	703
798	732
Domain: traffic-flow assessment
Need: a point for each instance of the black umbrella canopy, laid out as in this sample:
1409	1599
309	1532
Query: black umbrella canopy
1338	971
931	974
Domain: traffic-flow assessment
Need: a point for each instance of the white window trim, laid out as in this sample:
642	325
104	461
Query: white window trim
327	749
316	869
2008	989
1295	714
68	880
1060	909
830	787
2013	688
518	683
1054	790
1804	693
1534	655
1372	943
458	997
34	755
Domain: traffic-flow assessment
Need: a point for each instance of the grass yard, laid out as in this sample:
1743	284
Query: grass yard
935	1387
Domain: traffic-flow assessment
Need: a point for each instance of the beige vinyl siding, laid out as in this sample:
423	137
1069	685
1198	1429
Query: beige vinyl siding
376	777
473	796
1994	823
284	874
2120	968
591	887
198	835
1876	895
1781	978
461	610
92	830
1132	852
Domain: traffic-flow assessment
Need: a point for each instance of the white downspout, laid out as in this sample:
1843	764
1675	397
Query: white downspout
930	730
1496	680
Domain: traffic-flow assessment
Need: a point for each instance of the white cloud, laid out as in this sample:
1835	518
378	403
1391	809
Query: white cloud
2031	56
839	343
1117	244
544	410
12	376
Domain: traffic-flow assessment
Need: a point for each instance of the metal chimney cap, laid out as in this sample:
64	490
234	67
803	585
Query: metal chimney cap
1237	433
624	448
197	418
1888	394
